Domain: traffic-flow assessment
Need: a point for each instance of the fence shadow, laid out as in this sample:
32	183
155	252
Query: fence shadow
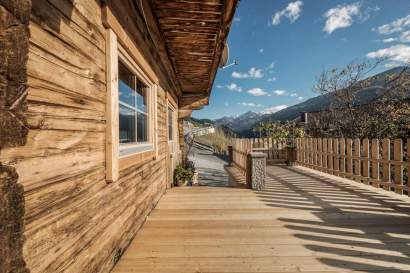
344	226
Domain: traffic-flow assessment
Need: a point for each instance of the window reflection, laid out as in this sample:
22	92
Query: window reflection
133	107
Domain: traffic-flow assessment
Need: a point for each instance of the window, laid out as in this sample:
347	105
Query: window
170	124
131	137
133	107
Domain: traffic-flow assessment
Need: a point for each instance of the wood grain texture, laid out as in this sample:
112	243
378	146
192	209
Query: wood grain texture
302	222
74	220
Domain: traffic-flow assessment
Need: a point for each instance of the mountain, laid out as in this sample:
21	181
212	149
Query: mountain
240	123
243	124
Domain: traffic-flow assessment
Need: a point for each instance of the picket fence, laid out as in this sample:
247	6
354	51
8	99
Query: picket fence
381	163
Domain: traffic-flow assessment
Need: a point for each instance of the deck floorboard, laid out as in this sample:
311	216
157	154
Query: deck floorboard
302	222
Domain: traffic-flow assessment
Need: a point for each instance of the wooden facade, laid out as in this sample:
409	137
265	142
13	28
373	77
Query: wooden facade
62	213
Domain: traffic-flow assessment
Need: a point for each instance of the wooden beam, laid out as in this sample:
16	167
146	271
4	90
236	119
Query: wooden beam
112	123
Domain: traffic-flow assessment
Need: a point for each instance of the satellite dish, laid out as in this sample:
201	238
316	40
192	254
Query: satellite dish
225	56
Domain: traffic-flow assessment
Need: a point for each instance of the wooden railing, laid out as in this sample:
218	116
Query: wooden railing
381	163
274	149
241	148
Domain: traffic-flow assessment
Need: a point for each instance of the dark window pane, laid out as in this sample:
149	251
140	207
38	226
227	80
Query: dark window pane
142	98
142	126
170	125
127	125
126	86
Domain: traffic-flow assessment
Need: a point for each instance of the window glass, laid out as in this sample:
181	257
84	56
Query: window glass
142	131
170	124
142	98
133	108
126	85
127	125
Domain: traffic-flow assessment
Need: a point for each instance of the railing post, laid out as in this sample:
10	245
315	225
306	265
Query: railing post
230	155
256	170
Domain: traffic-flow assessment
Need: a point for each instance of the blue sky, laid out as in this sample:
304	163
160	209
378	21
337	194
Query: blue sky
281	47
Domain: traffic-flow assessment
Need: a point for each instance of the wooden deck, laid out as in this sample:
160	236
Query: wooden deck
303	222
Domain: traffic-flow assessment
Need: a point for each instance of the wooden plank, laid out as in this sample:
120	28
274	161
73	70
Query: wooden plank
357	160
385	163
342	153
375	163
324	155
112	132
366	160
349	161
235	230
330	155
336	164
398	166
319	154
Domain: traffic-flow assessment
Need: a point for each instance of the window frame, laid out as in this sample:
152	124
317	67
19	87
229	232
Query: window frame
119	47
129	149
171	109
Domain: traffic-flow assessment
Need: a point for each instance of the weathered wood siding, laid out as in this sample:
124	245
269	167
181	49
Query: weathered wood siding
75	221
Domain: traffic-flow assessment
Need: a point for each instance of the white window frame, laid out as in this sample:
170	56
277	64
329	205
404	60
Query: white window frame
128	149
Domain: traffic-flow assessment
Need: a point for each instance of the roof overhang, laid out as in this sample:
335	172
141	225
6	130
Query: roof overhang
192	34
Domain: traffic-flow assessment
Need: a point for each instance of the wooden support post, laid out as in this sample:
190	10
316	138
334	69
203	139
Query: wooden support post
366	165
386	163
398	165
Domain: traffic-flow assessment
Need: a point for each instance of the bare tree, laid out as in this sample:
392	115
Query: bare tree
385	114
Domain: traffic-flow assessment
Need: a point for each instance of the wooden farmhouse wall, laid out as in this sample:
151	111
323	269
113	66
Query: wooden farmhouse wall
74	220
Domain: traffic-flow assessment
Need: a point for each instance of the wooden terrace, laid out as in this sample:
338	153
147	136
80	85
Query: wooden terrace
305	221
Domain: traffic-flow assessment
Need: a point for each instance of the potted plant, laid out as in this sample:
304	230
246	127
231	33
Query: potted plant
183	176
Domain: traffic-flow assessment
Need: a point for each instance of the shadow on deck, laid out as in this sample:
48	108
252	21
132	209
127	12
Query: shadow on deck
302	222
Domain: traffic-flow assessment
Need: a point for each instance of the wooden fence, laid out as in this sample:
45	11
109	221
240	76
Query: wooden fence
275	150
381	163
241	148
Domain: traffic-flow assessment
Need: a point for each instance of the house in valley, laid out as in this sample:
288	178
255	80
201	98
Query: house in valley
92	97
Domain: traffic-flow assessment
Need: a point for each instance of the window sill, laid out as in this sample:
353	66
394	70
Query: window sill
132	149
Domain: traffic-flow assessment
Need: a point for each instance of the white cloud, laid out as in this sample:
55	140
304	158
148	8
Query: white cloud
234	87
342	16
226	104
272	65
293	95
257	92
397	54
237	19
272	79
405	37
253	73
389	40
219	86
300	98
398	25
274	109
250	104
292	12
279	92
261	50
